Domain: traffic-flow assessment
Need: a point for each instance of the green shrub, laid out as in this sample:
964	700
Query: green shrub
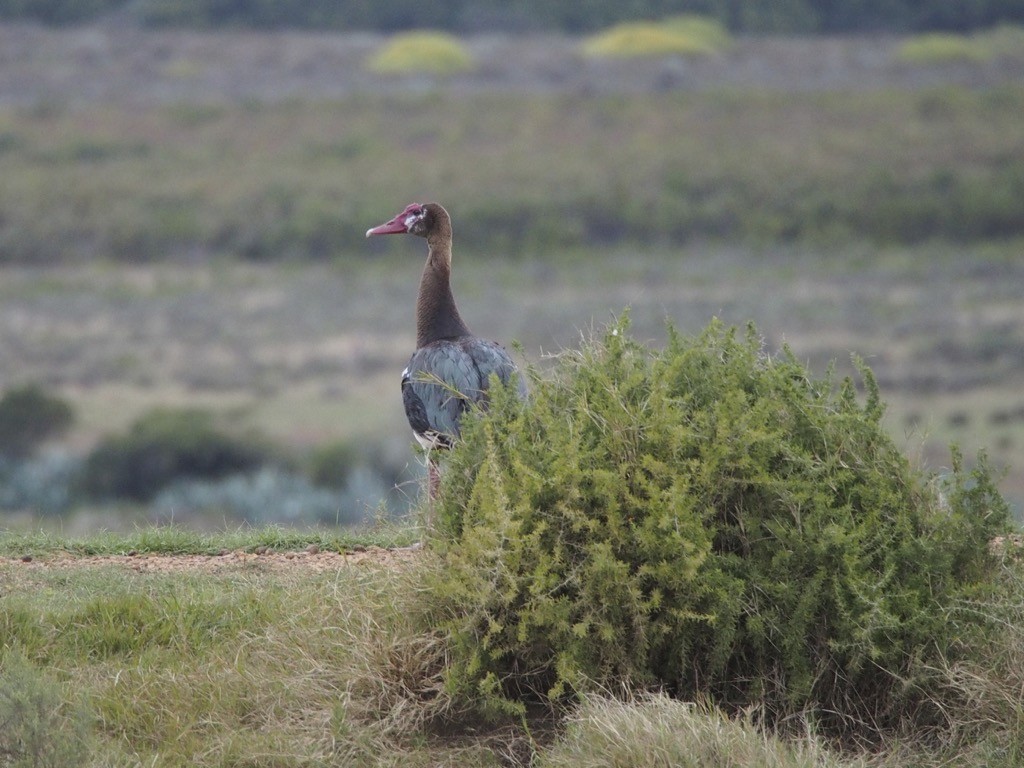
938	48
704	28
681	35
166	445
37	729
331	465
708	520
433	53
28	416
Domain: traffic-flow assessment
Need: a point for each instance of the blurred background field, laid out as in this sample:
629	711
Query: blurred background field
182	216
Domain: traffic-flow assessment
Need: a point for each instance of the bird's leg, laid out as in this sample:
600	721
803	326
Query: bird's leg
433	480
433	488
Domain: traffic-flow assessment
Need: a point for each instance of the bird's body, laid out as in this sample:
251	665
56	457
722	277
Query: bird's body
451	368
443	379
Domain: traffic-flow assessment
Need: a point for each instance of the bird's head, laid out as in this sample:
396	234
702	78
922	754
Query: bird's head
416	219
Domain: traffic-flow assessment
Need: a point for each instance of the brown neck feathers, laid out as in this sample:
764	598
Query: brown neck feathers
437	317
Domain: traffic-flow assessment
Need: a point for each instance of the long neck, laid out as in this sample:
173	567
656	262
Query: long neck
437	317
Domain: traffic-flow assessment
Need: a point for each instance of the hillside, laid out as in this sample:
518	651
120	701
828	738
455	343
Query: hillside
115	65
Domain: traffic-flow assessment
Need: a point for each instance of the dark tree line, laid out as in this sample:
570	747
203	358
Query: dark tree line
742	16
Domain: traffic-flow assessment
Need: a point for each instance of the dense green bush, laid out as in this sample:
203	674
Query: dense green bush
28	416
707	520
166	445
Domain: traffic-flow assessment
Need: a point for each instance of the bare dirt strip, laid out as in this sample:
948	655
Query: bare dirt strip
311	559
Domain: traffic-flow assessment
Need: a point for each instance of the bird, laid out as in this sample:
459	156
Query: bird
451	368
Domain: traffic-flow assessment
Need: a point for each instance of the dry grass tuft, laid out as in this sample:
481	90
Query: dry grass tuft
983	705
659	731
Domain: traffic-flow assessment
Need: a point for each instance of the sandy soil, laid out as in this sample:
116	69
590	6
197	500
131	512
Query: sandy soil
311	558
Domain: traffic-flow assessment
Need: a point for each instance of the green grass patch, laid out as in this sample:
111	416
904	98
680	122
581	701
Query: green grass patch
228	668
422	53
177	540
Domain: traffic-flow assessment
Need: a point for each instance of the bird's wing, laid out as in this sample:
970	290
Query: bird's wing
490	357
440	382
445	378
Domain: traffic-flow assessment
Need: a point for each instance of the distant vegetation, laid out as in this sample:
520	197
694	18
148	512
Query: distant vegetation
182	464
521	171
165	445
981	46
29	416
748	16
429	53
680	35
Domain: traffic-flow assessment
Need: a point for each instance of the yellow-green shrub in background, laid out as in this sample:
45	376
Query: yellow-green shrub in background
433	53
680	35
709	31
939	47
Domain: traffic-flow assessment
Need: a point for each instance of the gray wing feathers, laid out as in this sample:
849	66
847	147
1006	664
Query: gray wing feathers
445	378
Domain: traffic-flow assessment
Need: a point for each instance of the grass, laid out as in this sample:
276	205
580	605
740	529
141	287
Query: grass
239	668
290	667
176	540
658	730
242	668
